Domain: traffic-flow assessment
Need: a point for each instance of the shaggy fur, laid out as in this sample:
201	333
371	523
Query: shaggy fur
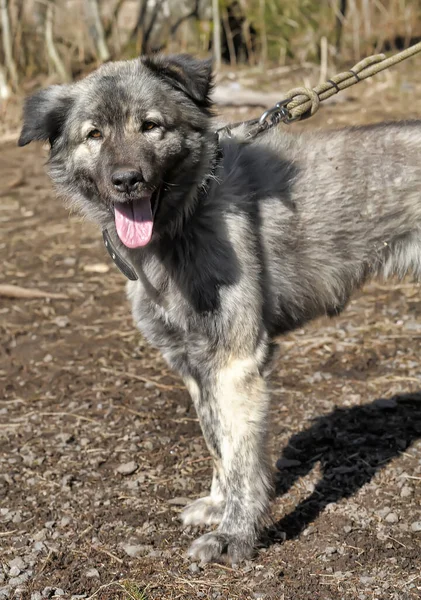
283	231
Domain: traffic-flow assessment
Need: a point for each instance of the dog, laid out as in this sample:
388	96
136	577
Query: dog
231	241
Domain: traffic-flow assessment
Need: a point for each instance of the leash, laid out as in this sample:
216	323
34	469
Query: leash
302	102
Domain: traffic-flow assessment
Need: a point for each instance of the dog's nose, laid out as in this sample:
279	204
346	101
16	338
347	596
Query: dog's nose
126	181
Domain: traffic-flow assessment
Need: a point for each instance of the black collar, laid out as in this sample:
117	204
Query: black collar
122	263
119	261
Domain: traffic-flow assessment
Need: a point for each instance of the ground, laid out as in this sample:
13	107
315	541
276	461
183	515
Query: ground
100	447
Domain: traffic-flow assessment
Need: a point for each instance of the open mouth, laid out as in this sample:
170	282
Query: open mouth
134	220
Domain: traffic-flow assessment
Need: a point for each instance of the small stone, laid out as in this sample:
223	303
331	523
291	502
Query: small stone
96	268
366	580
61	321
329	550
286	463
38	546
19	563
15	581
179	501
69	261
47	358
416	526
47	592
385	403
92	573
127	468
347	528
5	592
194	568
36	596
383	512
134	550
17	518
406	491
65	437
392	518
58	592
14	571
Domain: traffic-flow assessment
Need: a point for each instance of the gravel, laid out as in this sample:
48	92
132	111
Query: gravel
96	466
135	550
127	468
392	518
92	573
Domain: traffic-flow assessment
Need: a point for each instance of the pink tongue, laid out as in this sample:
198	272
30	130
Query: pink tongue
134	222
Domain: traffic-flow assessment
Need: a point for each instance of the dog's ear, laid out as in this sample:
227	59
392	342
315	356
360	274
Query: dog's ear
44	114
188	74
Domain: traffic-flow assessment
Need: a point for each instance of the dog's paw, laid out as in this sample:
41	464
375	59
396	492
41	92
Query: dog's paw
218	546
204	511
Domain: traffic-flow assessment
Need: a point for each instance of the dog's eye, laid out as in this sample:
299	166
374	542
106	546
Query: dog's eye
95	134
149	125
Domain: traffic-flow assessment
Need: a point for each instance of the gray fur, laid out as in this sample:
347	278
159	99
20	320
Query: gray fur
288	228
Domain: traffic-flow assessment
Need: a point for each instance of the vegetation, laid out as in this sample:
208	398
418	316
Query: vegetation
63	38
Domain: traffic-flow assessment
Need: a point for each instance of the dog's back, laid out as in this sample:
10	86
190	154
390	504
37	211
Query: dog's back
343	206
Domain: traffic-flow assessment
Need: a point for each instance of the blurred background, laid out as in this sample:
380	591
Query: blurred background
59	40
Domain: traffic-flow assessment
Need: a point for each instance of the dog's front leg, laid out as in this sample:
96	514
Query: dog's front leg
232	407
209	509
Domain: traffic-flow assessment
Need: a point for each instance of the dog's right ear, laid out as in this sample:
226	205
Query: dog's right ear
190	75
45	114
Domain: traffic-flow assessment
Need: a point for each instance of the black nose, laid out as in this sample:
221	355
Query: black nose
126	181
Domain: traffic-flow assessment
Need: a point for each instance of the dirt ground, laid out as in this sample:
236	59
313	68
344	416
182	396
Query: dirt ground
100	447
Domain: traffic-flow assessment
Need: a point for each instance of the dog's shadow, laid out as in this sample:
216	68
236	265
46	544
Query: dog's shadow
351	444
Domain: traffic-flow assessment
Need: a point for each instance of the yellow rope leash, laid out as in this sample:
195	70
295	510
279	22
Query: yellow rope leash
304	100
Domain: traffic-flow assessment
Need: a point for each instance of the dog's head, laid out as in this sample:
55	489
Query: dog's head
129	142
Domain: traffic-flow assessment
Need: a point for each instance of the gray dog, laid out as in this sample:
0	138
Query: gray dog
229	243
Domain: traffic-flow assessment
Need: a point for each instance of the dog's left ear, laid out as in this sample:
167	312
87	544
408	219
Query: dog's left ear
45	114
188	74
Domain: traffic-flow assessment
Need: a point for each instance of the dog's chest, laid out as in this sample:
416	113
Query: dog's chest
157	300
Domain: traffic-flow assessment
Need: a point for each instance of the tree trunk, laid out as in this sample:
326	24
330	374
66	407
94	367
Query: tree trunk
340	18
263	35
114	19
139	30
97	30
4	88
53	55
194	13
228	36
7	43
217	51
147	32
